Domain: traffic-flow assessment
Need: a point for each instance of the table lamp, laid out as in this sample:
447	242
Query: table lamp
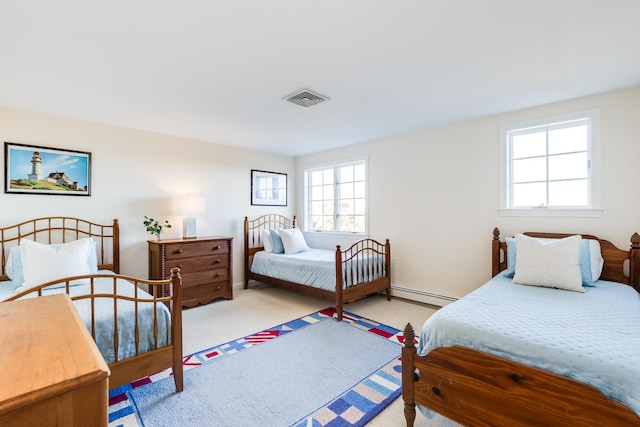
190	206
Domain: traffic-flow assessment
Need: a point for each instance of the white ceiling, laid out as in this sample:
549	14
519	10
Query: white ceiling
217	70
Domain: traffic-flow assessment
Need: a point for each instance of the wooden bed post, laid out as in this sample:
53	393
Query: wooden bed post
339	296
116	246
495	253
634	262
387	261
408	354
246	252
176	327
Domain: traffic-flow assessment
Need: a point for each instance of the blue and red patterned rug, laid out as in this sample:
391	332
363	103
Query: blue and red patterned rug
354	406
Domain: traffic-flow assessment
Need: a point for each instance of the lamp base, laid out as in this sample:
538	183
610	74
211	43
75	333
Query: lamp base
189	227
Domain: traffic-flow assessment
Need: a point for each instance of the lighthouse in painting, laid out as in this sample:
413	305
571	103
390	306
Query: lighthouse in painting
36	166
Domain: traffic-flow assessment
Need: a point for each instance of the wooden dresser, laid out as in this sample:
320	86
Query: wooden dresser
205	265
52	372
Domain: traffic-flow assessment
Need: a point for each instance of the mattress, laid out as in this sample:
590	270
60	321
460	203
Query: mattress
591	337
104	315
314	268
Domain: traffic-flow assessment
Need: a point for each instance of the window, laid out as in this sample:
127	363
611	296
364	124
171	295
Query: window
551	165
336	197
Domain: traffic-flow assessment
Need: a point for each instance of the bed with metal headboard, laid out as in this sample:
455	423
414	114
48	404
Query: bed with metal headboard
137	333
341	276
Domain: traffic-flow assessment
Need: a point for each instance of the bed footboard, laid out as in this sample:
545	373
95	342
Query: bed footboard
475	388
362	269
138	333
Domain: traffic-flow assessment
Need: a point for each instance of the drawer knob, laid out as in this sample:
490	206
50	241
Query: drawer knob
217	261
179	251
218	275
217	288
216	248
179	266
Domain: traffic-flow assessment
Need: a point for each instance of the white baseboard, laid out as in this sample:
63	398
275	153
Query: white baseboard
396	291
421	296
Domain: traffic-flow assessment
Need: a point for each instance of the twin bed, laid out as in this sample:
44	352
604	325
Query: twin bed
506	354
137	333
340	276
527	354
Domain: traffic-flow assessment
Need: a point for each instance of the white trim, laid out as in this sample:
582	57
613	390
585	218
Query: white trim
550	212
421	296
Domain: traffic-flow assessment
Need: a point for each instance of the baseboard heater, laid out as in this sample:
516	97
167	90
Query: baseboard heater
400	292
421	296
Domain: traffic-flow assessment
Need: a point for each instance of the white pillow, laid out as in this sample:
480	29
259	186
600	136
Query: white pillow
44	263
13	267
550	264
293	241
265	236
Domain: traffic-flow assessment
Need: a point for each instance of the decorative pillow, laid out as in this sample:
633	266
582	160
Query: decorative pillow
551	263
265	236
293	241
276	242
44	263
511	257
591	261
13	267
592	269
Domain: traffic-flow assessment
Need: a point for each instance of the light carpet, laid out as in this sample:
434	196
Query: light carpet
312	371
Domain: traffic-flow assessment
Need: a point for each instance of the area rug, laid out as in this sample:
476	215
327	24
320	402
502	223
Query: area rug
312	371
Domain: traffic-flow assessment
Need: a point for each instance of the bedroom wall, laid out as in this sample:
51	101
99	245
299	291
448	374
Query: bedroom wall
435	194
137	173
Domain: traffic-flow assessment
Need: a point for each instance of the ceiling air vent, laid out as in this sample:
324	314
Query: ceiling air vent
305	98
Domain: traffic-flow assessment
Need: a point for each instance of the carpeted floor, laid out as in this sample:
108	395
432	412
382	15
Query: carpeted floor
307	376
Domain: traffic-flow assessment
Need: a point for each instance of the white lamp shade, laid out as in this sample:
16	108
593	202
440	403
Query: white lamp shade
191	205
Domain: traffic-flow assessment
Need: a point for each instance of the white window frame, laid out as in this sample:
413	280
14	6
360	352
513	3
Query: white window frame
336	165
594	208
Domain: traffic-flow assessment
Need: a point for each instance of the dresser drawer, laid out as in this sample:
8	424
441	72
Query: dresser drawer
193	279
205	266
203	263
205	293
196	249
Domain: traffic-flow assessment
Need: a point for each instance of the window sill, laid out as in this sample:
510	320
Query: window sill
335	234
547	212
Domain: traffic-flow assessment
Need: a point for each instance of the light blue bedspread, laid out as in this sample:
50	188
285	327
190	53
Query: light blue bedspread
591	337
104	309
317	267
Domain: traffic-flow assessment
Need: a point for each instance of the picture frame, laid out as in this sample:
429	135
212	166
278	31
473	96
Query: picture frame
268	188
34	169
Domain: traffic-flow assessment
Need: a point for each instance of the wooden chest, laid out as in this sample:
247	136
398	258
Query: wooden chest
53	373
205	265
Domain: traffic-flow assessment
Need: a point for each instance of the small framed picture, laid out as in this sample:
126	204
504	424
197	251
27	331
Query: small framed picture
31	169
268	188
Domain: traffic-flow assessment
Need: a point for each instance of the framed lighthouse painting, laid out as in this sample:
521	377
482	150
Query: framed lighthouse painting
31	169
